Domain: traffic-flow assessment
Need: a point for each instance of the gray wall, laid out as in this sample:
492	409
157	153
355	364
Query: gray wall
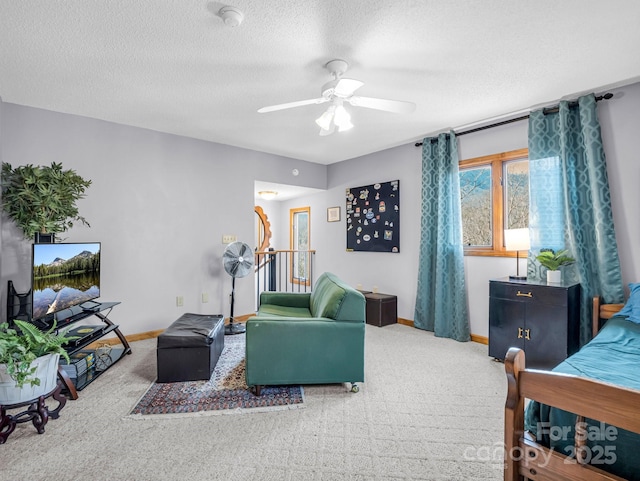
1	150
158	203
397	273
161	203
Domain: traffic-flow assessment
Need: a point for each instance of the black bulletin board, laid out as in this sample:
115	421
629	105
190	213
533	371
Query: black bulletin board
373	217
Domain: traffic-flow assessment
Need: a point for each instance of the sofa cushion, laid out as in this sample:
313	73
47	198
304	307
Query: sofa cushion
326	297
284	311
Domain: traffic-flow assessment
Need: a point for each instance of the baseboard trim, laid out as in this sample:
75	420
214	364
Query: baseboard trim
110	341
152	334
474	337
240	318
480	339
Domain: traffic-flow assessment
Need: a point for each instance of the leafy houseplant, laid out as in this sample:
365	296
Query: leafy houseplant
553	260
42	199
18	350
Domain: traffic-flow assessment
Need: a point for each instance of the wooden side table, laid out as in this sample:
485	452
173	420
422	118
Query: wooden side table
382	309
38	413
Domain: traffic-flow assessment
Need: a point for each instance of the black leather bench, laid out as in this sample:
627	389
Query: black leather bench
189	349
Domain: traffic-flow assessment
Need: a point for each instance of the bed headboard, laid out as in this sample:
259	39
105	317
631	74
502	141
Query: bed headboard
602	312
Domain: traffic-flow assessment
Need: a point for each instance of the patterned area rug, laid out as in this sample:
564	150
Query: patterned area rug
225	393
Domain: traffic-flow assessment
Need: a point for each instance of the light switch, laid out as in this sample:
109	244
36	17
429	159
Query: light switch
228	239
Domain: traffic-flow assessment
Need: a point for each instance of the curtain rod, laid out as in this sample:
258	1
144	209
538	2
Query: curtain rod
548	110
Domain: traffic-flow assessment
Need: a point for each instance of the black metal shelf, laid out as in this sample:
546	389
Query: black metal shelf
19	307
85	341
99	366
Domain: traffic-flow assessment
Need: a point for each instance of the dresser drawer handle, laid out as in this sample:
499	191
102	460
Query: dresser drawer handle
524	294
520	331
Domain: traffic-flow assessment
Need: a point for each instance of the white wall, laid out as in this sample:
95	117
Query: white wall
161	203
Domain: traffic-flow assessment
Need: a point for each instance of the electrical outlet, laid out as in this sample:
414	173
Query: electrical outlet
228	238
205	297
179	301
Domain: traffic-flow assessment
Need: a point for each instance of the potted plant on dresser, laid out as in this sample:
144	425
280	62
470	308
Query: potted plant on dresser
553	260
41	200
28	361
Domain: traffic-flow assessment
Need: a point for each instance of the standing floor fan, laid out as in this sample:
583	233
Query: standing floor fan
238	262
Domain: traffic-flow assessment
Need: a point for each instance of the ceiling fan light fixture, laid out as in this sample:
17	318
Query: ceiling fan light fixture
342	119
326	119
329	131
338	91
345	126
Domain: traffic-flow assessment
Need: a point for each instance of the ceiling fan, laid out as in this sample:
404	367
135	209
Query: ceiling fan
338	91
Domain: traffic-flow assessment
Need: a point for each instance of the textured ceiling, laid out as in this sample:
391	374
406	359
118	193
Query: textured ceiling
174	66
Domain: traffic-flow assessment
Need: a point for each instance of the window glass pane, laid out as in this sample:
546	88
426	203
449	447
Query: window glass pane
516	194
475	202
300	260
301	238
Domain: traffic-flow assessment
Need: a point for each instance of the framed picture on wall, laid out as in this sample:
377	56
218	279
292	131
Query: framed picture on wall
373	217
333	214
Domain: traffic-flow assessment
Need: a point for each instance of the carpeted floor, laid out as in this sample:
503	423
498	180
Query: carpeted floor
429	409
225	393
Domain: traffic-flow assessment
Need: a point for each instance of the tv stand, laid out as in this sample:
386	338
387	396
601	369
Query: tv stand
90	305
18	308
102	362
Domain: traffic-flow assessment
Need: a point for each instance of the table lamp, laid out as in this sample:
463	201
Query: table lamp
517	240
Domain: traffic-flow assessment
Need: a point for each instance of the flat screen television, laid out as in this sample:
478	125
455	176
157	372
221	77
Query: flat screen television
64	275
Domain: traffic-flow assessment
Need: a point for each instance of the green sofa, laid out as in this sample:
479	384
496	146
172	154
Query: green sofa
307	338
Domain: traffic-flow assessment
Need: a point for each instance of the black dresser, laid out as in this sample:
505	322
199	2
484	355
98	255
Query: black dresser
542	319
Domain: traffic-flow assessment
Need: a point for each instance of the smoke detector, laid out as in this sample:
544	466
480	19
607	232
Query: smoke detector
231	15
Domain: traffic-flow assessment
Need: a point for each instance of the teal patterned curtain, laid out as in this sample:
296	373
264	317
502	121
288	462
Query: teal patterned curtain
570	203
441	301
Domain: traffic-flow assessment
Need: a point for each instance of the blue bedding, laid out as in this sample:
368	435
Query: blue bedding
612	356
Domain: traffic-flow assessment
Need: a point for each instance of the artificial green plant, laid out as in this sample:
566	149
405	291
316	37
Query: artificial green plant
42	198
553	260
18	349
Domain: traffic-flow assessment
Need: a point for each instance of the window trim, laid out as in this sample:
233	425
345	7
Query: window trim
496	161
292	214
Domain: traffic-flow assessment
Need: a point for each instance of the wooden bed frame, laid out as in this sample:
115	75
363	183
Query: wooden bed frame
615	405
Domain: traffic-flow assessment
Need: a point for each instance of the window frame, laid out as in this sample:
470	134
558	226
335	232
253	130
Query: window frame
496	161
292	234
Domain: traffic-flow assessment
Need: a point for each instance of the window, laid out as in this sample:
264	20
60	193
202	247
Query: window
494	195
300	243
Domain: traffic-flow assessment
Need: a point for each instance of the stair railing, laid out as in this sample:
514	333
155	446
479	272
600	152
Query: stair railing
284	271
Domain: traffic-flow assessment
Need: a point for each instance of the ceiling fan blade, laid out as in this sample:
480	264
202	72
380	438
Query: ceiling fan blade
346	86
396	106
290	105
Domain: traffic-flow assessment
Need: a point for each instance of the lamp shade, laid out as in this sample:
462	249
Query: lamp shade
342	119
516	239
324	121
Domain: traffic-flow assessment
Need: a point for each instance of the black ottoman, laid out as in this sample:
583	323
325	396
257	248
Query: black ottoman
189	349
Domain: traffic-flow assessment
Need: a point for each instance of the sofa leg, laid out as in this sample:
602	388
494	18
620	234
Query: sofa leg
354	387
257	390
